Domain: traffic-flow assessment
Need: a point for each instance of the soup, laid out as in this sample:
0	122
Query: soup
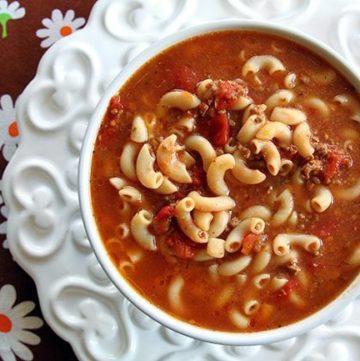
226	181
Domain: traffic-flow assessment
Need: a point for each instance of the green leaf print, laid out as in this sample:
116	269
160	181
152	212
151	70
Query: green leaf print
4	18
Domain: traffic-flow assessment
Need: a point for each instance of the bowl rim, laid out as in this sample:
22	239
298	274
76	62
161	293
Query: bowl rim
214	336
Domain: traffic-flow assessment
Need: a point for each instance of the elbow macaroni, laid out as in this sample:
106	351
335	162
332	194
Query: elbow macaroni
322	199
186	123
250	225
282	243
280	98
180	99
204	89
203	219
130	194
354	259
261	280
270	153
216	173
216	247
183	216
139	132
262	62
256	211
238	319
186	158
262	259
319	105
145	172
174	293
286	167
231	268
250	128
278	282
219	223
122	230
168	160
139	229
251	307
301	139
166	187
288	116
285	203
275	130
128	160
118	182
201	145
244	174
211	204
241	103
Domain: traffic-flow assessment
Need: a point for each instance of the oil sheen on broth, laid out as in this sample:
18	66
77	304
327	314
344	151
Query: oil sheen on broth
226	181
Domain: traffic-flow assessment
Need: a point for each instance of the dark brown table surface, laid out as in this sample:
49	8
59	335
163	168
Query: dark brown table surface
27	29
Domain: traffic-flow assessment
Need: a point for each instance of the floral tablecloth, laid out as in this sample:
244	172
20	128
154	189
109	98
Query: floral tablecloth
27	29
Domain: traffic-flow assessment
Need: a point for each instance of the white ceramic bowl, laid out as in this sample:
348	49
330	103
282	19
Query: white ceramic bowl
126	289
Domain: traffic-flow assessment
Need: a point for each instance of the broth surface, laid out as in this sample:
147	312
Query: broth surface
208	301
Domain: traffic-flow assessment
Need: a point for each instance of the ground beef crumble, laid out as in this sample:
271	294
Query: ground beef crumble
327	164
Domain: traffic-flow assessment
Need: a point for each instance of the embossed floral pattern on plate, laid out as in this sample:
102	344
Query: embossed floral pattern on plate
46	234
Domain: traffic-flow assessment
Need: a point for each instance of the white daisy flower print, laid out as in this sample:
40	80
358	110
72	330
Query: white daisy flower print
9	132
15	326
58	27
9	12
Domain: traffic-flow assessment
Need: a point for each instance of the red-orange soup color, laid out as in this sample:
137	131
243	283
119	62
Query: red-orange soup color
309	280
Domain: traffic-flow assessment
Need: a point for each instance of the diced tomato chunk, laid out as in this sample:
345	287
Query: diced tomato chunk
185	78
223	103
115	104
165	212
182	246
220	129
107	131
162	220
336	159
248	243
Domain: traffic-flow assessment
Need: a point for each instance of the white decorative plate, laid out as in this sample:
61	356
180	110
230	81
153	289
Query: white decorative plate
46	234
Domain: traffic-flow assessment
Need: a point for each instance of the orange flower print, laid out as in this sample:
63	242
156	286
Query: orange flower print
58	27
9	12
15	325
9	132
